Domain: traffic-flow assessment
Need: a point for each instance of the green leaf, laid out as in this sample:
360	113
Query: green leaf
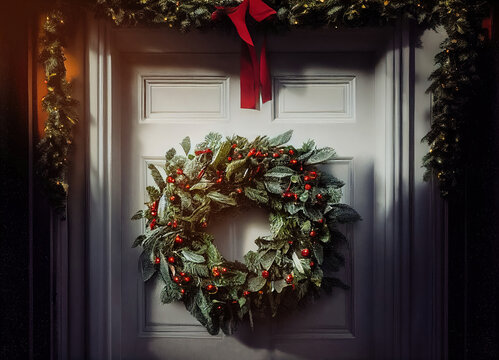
196	269
313	213
138	215
234	167
321	155
259	196
297	263
306	227
222	155
138	241
186	145
293	208
221	198
274	187
147	266
267	259
324	236
304	196
170	154
256	283
192	257
201	186
281	139
345	213
251	259
156	175
279	172
154	193
279	285
318	252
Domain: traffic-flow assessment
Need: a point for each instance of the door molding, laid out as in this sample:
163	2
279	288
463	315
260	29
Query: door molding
409	315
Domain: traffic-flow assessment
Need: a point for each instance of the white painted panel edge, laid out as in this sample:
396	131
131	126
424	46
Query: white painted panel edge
348	82
147	82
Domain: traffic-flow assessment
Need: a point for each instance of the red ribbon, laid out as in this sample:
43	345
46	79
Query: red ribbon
199	152
254	75
487	24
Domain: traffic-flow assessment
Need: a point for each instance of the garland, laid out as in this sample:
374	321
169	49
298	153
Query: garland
54	147
226	176
455	82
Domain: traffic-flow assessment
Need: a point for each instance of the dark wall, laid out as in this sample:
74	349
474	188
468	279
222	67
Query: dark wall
474	225
14	187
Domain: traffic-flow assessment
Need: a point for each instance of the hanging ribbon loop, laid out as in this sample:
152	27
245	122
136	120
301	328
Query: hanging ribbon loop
254	74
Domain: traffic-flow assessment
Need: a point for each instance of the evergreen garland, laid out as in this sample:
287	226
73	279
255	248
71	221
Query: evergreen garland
455	82
224	177
53	148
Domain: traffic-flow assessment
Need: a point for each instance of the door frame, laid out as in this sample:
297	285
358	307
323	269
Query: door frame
410	309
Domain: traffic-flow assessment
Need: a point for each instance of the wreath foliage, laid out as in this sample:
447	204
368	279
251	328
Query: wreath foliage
222	177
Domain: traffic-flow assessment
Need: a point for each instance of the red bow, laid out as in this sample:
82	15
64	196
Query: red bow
253	75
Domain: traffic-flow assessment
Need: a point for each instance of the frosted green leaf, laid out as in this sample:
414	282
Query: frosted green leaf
281	139
186	145
256	283
321	156
193	257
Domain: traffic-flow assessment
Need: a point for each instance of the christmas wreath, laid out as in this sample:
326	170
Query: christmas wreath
294	263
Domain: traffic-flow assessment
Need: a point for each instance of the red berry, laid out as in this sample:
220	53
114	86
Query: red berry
176	279
289	278
187	186
178	240
171	260
281	151
313	174
172	198
306	178
290	242
211	287
180	171
205	224
154	213
291	152
234	146
260	292
275	155
182	273
251	152
308	186
239	191
170	179
229	159
246	293
219	307
169	223
265	274
157	260
305	253
313	233
240	156
152	224
293	161
320	221
312	264
187	279
224	270
174	223
219	180
319	196
182	291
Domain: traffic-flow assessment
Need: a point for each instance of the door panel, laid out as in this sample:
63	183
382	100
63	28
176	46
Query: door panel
165	93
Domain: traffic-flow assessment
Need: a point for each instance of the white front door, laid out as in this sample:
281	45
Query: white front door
335	88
